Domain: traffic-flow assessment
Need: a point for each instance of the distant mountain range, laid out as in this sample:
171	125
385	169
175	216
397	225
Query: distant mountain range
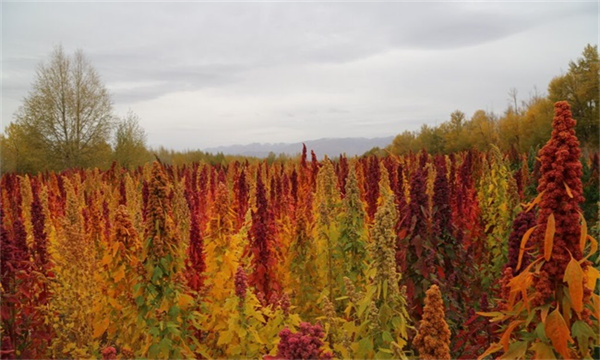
331	147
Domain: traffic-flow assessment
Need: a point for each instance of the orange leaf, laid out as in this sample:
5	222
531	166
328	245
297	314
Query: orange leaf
544	313
534	202
492	349
100	327
574	278
558	332
521	283
593	247
119	274
542	351
106	259
596	305
523	243
504	340
184	301
568	190
584	233
592	274
549	239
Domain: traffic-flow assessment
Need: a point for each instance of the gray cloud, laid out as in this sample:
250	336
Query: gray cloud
304	67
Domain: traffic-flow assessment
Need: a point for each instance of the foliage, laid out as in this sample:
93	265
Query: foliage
551	307
214	260
521	127
129	148
433	339
67	116
498	199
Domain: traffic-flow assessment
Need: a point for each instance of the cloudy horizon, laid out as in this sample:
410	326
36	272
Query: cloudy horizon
202	74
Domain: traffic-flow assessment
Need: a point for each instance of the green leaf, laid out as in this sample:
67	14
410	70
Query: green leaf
541	332
517	350
382	355
543	351
385	289
156	274
387	337
365	346
153	351
164	346
385	312
174	311
154	331
582	332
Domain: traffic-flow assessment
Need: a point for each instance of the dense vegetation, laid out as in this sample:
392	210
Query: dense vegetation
418	255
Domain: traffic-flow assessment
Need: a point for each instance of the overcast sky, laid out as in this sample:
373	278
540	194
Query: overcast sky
208	74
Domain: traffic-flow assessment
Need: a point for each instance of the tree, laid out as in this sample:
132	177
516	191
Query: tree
579	86
67	115
130	142
482	130
453	132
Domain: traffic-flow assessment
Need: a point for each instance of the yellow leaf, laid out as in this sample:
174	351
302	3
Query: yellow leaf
184	301
100	327
257	337
542	351
503	207
523	243
495	315
505	339
574	278
549	238
225	338
164	306
558	332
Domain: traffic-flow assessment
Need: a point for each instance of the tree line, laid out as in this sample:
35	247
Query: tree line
524	125
67	120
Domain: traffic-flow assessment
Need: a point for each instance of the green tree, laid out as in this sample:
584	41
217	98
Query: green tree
453	132
16	154
579	87
130	142
404	143
482	130
537	123
511	130
67	115
432	139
